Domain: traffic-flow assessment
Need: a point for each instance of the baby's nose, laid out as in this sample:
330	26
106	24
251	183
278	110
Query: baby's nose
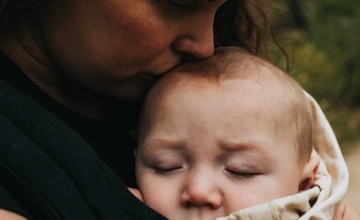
201	191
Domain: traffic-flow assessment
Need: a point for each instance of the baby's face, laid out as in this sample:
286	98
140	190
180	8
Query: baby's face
208	150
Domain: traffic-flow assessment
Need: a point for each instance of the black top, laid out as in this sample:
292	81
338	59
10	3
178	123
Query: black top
54	163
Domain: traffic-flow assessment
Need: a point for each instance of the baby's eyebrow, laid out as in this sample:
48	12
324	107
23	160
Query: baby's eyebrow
163	143
257	146
254	152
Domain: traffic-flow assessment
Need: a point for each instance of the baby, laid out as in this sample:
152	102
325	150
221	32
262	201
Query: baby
223	134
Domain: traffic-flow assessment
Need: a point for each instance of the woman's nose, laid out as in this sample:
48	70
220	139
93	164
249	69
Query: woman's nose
198	42
201	191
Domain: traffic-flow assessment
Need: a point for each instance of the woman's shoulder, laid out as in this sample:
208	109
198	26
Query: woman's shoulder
46	165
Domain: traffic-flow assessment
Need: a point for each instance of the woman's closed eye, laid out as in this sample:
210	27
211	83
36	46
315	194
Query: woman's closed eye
181	4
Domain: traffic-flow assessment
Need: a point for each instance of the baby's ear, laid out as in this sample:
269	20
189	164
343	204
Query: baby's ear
309	172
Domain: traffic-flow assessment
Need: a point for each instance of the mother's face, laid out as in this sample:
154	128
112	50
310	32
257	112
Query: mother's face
118	47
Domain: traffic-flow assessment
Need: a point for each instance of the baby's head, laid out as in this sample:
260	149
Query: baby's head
223	134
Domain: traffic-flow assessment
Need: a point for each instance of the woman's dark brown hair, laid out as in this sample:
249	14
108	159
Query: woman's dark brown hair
13	11
243	23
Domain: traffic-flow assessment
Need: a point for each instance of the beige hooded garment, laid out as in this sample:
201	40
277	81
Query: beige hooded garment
320	202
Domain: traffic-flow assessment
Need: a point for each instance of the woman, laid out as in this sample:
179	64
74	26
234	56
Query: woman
73	73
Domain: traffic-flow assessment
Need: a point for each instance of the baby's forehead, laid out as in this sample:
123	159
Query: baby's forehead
221	73
198	78
189	86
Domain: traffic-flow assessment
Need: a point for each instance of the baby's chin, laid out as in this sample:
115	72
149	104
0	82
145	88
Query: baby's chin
196	215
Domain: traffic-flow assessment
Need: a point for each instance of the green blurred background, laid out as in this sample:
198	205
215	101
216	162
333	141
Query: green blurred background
322	40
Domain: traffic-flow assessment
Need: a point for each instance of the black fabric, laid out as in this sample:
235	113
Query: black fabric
110	139
47	171
9	202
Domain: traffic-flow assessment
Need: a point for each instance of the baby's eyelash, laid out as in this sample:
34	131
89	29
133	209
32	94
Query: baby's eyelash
242	174
165	168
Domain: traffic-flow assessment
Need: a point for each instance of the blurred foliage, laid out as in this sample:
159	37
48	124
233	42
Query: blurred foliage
323	47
